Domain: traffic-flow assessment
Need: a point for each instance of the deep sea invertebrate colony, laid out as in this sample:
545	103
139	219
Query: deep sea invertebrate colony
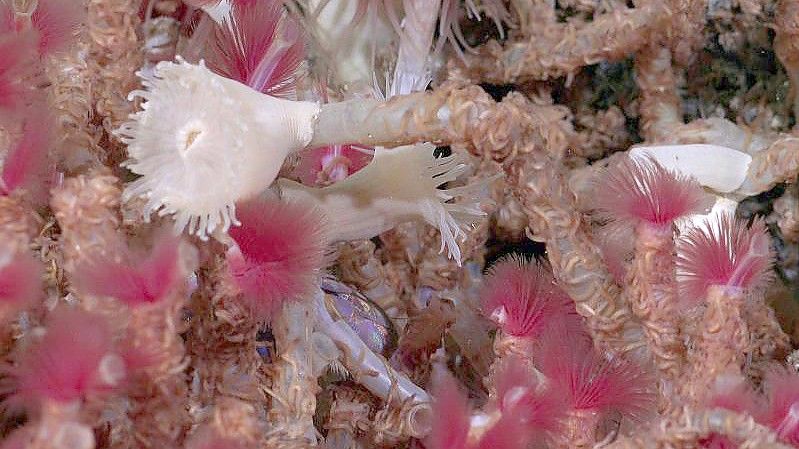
442	224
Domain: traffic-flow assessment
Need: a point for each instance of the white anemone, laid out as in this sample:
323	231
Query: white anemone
203	142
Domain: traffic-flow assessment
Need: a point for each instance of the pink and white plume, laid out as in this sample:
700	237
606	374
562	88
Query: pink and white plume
523	298
782	407
280	250
27	164
640	190
520	394
53	22
723	251
592	382
452	418
138	277
17	69
734	393
20	282
257	45
74	359
450	412
57	21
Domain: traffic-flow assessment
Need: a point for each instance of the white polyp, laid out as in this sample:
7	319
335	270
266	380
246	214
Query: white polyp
203	142
399	185
718	168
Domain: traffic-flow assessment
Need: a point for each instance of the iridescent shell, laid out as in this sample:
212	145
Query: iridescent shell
363	316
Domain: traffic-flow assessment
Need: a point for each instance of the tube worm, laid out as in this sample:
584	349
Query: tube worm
87	210
644	196
18	223
73	101
115	55
786	211
775	164
576	261
222	345
361	267
721	261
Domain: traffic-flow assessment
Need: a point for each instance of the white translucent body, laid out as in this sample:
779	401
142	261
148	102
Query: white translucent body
718	168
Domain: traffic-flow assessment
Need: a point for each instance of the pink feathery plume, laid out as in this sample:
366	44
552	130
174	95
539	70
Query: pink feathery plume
643	191
56	21
782	405
523	297
27	165
259	45
450	427
732	393
591	382
514	429
139	278
20	282
509	432
723	251
17	66
70	362
519	394
280	252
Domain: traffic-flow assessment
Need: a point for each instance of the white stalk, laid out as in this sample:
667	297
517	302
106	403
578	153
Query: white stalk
373	371
412	72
